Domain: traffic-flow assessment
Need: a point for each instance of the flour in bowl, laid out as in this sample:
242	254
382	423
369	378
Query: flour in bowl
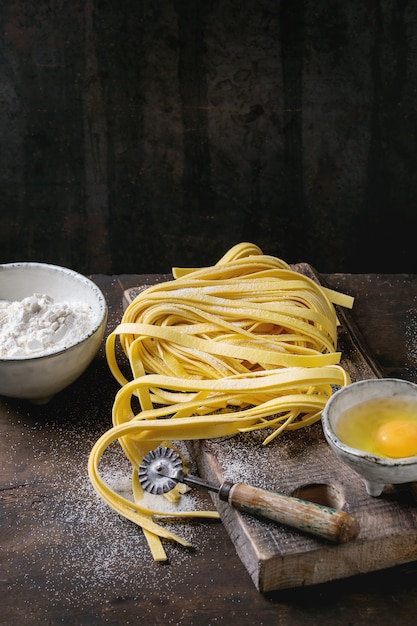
38	325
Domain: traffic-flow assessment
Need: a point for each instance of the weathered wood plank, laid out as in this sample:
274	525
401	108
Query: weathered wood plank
165	132
277	557
67	559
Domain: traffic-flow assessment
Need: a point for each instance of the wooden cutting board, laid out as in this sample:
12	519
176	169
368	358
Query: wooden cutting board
301	463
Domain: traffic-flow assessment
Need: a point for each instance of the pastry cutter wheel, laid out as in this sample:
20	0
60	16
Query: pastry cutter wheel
161	469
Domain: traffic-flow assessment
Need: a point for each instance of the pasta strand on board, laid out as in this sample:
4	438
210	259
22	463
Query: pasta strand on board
245	344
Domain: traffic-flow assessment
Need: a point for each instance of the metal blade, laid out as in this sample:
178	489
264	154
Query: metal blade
160	470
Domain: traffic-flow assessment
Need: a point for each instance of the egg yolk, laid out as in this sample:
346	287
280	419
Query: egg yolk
397	438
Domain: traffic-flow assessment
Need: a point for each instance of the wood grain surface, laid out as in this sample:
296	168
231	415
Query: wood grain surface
66	558
302	462
145	134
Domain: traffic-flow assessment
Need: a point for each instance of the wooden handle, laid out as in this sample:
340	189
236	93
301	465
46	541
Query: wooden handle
315	519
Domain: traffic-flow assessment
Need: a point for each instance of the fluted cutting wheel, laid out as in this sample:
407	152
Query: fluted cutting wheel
160	470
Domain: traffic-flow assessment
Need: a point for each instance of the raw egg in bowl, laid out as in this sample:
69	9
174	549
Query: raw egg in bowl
371	425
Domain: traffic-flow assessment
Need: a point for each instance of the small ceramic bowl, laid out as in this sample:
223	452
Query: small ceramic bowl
377	471
40	376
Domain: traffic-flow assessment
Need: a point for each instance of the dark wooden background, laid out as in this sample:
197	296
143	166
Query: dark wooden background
141	134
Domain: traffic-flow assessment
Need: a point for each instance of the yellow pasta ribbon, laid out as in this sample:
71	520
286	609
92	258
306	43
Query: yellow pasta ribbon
243	345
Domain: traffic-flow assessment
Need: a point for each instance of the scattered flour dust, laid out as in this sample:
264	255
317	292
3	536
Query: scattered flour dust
410	335
37	325
86	549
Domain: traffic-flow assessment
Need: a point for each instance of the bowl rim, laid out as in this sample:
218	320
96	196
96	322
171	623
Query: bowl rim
357	453
103	308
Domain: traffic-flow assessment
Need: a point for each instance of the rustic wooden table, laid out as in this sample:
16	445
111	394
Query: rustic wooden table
67	558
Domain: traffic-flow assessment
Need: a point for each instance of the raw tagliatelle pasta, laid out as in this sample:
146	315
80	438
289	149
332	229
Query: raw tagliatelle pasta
245	344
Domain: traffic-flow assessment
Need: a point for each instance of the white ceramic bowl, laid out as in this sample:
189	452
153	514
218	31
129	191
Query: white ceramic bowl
376	471
38	378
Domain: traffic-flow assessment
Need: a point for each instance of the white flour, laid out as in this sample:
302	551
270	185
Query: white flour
37	325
